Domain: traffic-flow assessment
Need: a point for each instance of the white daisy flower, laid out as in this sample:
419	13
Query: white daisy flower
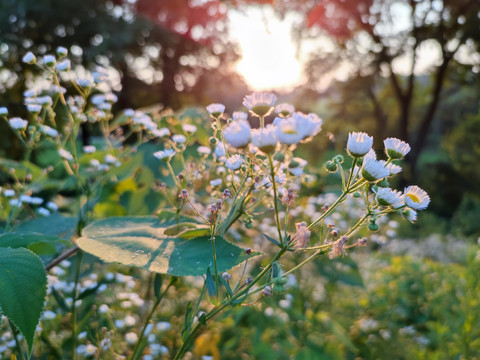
3	111
29	58
179	139
164	154
260	103
131	338
373	170
49	60
84	82
18	123
110	159
288	131
234	162
220	150
189	128
395	148
393	169
62	51
162	132
284	109
204	150
52	206
389	197
42	211
410	215
65	154
63	65
215	110
47	130
34	108
216	182
359	144
310	127
265	138
238	133
416	198
239	115
89	149
8	192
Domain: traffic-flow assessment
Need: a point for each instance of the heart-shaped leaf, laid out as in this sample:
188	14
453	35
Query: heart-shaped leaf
23	284
142	242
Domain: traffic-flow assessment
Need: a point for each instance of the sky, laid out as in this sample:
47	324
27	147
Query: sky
268	53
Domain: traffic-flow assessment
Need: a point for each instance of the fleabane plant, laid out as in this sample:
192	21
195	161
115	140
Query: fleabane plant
246	171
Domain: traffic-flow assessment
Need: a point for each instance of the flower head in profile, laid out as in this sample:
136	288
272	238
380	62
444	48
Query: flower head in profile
204	150
416	198
395	148
389	197
234	162
238	133
410	215
18	123
288	131
29	58
260	104
189	128
239	115
308	125
65	154
215	110
164	154
284	110
179	138
373	170
265	138
359	144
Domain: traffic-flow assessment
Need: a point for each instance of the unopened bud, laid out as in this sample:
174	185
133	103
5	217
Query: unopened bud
227	193
331	166
373	227
226	276
267	291
334	233
219	204
248	281
248	251
183	193
362	241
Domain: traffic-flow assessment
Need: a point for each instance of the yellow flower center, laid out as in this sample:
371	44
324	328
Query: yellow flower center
414	198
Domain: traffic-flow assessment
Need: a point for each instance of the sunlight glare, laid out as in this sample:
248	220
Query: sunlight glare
267	51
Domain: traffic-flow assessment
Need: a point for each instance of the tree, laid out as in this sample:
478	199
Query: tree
386	39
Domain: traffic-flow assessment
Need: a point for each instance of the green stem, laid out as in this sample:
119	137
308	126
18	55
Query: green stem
212	239
170	168
147	321
226	303
17	341
274	185
74	307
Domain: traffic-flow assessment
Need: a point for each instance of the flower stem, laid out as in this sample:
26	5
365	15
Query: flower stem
272	173
214	253
147	321
74	308
17	341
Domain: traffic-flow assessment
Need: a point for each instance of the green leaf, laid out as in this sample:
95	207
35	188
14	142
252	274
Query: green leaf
227	286
40	244
157	285
211	288
53	225
272	240
23	284
187	324
141	242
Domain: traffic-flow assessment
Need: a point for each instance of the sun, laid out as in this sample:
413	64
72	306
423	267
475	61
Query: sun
268	59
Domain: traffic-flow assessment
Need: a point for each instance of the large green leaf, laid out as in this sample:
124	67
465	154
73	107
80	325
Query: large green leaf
53	225
141	242
23	284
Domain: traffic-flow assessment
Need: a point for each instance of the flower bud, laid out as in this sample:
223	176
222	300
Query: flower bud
331	166
373	227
